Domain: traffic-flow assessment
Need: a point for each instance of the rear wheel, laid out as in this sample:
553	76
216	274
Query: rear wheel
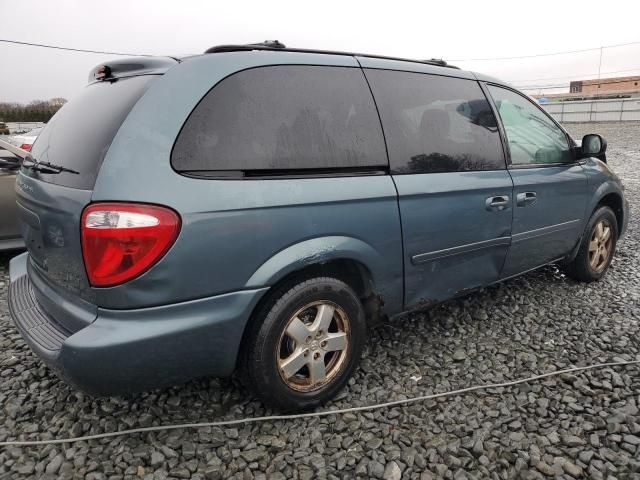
597	247
305	343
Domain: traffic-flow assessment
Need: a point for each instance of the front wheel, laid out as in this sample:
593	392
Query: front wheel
597	247
305	343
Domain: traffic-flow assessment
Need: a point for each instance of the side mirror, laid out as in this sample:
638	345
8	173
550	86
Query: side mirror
593	145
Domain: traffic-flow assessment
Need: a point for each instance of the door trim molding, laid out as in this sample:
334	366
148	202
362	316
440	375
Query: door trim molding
459	250
539	232
493	242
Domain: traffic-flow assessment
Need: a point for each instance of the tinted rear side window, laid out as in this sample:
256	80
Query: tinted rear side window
79	135
436	124
283	118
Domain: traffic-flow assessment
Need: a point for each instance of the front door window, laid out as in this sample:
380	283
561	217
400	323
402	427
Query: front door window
532	136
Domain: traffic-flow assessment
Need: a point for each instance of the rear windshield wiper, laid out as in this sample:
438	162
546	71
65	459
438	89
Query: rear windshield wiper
45	167
32	164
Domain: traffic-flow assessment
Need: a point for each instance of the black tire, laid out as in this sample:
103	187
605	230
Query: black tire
268	341
581	268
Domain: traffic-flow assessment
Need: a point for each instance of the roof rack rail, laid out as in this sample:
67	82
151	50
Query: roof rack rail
266	45
437	61
275	45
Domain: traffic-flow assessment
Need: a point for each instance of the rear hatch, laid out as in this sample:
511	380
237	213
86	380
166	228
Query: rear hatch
77	138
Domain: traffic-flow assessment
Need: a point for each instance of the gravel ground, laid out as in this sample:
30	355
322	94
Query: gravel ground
571	426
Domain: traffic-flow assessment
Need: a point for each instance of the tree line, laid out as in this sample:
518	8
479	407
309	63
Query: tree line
35	111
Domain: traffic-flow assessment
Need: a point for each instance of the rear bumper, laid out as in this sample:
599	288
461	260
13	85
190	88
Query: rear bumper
126	351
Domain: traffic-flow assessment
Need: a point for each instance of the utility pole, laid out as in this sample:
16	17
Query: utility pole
600	63
596	96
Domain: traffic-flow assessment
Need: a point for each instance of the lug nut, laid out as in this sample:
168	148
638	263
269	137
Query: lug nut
308	339
323	343
306	353
316	355
319	334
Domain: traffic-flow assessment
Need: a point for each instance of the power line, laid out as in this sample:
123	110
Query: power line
101	52
16	42
543	54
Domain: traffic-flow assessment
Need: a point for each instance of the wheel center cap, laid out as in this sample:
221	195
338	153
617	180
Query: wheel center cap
314	345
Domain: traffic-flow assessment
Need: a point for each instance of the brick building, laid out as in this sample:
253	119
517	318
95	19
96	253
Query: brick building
606	85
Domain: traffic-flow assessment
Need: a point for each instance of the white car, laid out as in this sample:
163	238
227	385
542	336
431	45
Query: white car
25	141
9	228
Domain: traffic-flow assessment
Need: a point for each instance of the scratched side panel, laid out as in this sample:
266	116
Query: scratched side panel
447	211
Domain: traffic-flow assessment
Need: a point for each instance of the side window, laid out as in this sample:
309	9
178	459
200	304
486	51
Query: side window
533	138
436	124
283	118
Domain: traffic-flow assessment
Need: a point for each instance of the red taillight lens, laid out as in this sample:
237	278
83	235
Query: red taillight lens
26	146
120	241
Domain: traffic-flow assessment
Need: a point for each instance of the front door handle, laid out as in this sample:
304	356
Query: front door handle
526	198
499	203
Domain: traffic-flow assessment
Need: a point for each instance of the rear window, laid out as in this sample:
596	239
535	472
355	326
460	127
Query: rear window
79	134
283	119
436	124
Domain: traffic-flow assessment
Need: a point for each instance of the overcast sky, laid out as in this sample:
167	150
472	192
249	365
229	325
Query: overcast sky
452	30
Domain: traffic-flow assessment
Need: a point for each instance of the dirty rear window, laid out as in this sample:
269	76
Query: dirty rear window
276	118
79	135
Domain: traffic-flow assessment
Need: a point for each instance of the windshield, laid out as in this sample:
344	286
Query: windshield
78	136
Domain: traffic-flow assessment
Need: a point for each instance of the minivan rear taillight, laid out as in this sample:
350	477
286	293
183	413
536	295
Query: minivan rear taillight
120	241
26	146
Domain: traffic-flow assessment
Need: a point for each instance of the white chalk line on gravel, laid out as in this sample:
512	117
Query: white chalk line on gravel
324	413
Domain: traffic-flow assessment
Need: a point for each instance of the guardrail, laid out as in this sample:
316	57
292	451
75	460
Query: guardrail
619	110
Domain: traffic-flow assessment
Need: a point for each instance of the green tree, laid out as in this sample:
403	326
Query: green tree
34	111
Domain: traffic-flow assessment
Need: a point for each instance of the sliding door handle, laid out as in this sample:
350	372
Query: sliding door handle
526	198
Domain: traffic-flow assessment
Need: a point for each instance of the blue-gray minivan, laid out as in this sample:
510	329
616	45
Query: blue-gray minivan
257	208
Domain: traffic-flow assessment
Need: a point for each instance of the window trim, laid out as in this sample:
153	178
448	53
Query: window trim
510	165
300	173
503	136
506	158
285	174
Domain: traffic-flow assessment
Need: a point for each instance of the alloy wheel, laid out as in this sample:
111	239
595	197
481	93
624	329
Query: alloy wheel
314	346
600	245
